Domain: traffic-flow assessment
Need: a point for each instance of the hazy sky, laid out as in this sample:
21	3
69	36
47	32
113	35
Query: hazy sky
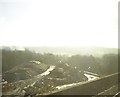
59	23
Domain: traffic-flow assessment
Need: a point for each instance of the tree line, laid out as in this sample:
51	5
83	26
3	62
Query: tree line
107	64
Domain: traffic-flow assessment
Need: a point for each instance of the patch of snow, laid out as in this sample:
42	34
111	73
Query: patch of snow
37	62
48	71
33	84
91	77
66	64
68	85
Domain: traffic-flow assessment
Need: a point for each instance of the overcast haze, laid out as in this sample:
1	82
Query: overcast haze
59	23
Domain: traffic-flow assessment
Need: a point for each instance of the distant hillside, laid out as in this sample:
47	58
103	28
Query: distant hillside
95	51
25	71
